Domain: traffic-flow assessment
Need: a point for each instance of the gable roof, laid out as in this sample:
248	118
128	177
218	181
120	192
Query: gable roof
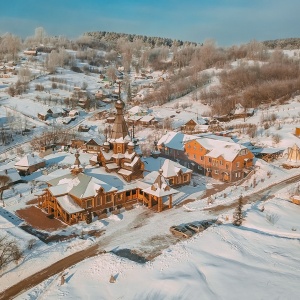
171	168
29	160
160	187
11	173
217	148
80	186
175	140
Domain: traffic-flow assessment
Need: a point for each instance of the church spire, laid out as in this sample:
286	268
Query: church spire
120	129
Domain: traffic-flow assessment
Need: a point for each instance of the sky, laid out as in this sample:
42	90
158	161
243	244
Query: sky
228	22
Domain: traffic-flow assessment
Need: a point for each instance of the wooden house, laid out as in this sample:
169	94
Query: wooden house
220	159
240	111
73	113
147	121
295	199
56	112
175	173
195	126
93	145
43	116
29	164
79	142
31	52
76	196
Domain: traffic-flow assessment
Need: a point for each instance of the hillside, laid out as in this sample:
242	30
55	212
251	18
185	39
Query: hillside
290	43
112	37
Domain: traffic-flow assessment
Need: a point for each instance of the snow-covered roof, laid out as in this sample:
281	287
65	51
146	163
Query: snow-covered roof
29	160
129	156
219	148
171	168
146	118
11	173
68	204
96	140
124	172
137	110
112	166
56	110
94	158
80	186
160	187
175	140
134	118
132	163
108	155
126	139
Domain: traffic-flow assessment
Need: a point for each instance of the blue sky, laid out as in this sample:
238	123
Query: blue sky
228	22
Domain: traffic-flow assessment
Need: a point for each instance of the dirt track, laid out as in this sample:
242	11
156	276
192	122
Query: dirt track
56	268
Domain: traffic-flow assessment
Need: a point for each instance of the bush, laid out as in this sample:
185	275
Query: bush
276	138
76	69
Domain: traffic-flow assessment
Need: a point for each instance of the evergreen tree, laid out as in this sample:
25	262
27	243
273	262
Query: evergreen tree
238	213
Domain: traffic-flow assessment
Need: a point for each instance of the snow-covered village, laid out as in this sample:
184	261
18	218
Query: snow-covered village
139	167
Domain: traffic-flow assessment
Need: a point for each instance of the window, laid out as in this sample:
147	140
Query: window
243	152
170	181
185	178
98	201
127	193
133	192
202	157
221	163
95	147
88	203
227	166
237	164
209	159
216	171
194	155
108	198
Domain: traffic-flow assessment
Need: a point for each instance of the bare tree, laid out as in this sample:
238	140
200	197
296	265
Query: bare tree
24	75
111	73
39	35
4	184
9	251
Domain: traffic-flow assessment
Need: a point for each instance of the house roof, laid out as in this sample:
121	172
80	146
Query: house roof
29	160
217	148
81	185
56	110
171	168
96	140
68	204
11	173
146	119
175	140
160	187
137	110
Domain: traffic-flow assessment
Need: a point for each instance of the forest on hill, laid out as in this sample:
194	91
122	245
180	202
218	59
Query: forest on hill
250	74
